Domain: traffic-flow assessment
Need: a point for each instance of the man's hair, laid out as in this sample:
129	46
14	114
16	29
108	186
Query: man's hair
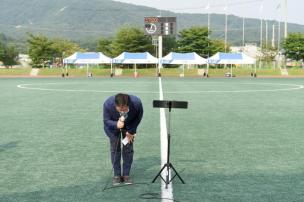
122	99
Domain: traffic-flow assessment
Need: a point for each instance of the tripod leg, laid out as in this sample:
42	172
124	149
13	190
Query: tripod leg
171	166
158	174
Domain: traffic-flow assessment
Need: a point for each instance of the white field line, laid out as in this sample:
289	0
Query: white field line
166	194
284	87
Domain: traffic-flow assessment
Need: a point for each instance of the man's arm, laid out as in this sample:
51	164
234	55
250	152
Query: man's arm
132	127
107	118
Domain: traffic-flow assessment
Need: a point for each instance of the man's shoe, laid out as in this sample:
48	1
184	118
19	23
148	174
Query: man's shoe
127	180
116	180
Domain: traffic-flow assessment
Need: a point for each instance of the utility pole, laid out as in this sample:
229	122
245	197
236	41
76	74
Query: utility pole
226	27
207	8
286	14
266	34
273	36
243	33
261	37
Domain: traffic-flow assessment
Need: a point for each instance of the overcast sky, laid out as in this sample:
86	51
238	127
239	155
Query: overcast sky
271	9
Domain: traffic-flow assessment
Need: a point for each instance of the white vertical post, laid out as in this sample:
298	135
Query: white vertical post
243	33
266	34
261	34
160	52
111	67
207	8
273	37
226	27
135	70
87	69
279	35
231	70
261	43
286	14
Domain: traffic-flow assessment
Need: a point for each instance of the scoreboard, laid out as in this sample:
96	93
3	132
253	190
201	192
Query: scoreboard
160	26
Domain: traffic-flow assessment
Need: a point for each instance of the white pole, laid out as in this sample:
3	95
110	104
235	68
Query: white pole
273	36
243	33
208	37
231	70
261	35
261	43
111	67
226	26
279	35
266	34
87	69
160	52
261	31
135	70
286	14
285	30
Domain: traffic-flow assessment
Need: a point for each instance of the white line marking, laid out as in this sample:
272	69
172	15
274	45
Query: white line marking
286	87
166	194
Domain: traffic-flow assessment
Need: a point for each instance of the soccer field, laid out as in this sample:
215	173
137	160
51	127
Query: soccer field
239	140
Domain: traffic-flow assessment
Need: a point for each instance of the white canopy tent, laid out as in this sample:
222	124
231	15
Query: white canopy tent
231	58
183	59
135	58
88	58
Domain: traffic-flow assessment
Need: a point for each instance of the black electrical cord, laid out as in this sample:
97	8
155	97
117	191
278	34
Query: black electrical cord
154	196
112	169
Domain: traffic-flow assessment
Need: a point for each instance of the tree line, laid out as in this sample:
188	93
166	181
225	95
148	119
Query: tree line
8	52
43	50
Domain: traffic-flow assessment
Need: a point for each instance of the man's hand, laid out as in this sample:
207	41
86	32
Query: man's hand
121	122
130	137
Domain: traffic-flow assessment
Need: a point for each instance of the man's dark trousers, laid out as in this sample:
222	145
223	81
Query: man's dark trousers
127	155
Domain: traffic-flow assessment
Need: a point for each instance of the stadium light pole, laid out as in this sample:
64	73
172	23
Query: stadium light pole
266	34
286	14
273	36
273	43
243	33
207	8
285	30
261	35
226	26
279	34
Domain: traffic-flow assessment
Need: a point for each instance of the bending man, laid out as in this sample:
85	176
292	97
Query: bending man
122	114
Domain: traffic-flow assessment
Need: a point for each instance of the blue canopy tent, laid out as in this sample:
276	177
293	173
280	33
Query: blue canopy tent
183	58
135	58
231	58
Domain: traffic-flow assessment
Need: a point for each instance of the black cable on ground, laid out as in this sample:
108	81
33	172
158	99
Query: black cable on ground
125	185
154	196
112	170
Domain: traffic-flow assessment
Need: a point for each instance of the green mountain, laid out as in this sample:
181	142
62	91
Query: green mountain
88	20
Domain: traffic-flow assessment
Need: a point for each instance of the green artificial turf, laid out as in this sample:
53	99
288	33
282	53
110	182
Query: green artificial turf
239	140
